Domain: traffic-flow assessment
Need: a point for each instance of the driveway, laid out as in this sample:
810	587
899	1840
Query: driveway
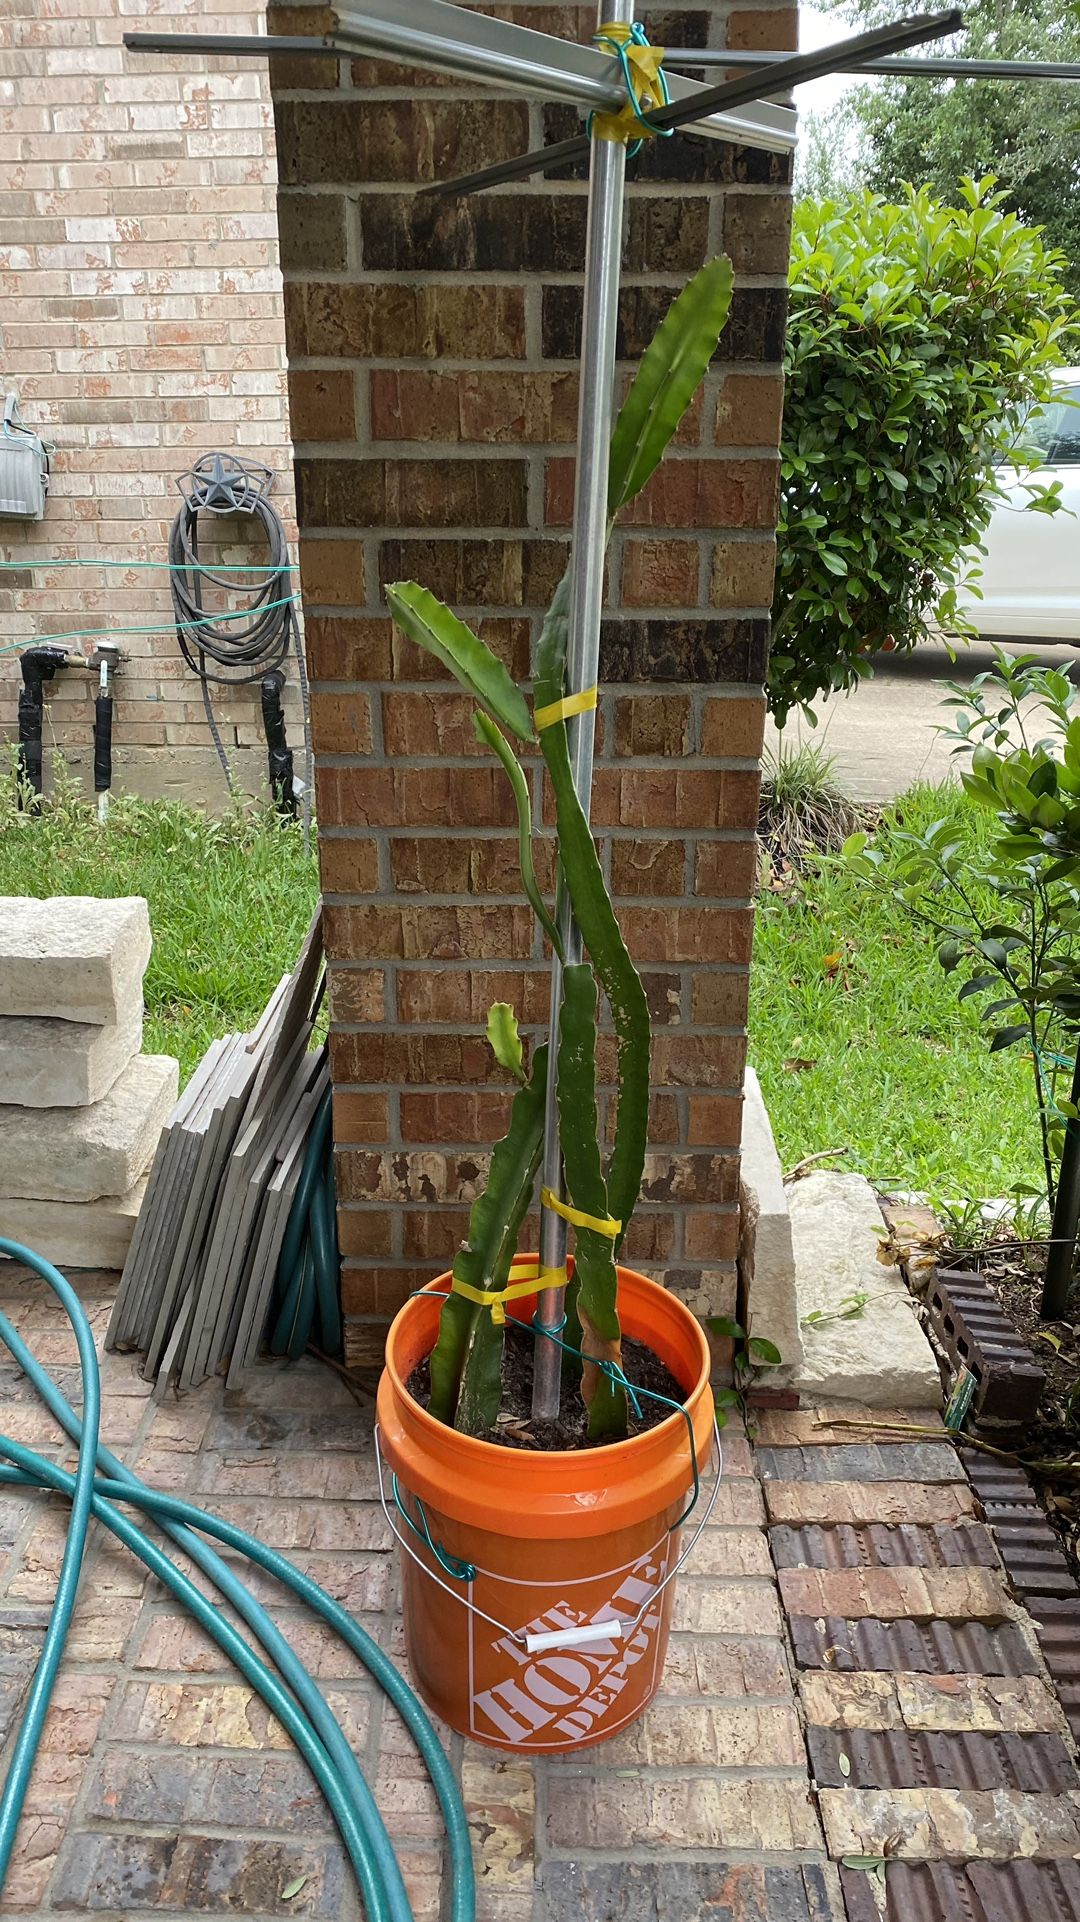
884	735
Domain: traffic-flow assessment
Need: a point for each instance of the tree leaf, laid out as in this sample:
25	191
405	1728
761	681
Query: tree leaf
667	378
594	1254
293	1888
434	627
598	926
486	731
466	1361
764	1351
502	1033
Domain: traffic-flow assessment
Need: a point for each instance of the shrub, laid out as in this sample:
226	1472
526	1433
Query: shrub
920	336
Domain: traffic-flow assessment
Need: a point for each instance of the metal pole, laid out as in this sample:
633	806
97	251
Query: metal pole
603	250
920	66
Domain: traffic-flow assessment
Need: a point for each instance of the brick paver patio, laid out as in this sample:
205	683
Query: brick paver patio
849	1676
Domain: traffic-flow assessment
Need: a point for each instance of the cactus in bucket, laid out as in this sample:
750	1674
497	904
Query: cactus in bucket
466	1361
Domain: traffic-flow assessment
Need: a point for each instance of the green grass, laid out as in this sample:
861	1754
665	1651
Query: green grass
901	1071
229	902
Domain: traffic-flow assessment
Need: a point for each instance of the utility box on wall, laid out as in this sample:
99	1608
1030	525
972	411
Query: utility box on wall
24	467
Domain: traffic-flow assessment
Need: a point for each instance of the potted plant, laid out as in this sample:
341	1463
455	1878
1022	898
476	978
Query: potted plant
537	1558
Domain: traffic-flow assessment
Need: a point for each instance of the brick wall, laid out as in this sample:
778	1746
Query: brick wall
432	353
141	325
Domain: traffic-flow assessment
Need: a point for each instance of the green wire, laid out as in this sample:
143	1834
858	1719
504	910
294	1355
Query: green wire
326	1751
167	567
163	627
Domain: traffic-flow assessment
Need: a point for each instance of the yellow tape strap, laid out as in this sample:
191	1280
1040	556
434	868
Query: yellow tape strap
644	64
526	1278
600	1224
562	710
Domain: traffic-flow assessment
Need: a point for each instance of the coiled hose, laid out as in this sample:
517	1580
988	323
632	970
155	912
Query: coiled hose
229	650
100	1482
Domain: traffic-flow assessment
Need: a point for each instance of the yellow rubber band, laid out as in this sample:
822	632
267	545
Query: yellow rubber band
600	1224
526	1278
562	710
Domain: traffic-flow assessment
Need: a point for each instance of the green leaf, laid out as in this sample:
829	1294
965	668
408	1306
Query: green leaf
434	627
466	1361
724	1328
502	1033
764	1351
862	1862
598	926
293	1888
667	378
486	731
594	1254
1006	1037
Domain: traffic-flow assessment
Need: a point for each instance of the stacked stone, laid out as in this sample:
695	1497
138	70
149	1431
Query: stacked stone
81	1108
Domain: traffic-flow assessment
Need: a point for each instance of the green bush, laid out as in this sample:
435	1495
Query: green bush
920	337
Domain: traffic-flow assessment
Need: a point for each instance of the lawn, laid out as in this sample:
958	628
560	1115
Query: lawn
860	1042
229	902
855	1031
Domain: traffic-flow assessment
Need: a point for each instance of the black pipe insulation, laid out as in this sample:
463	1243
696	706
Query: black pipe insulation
38	664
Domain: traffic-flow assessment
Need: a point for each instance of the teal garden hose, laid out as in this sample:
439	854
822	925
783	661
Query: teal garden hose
99	1483
306	1295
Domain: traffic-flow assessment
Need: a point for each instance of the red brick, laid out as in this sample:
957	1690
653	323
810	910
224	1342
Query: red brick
648	867
715	1120
733	727
749	406
365	1231
349	865
491	408
742	574
773	28
360	1117
340	723
661	573
357	994
653	724
683	493
322	404
725	869
331	575
401	320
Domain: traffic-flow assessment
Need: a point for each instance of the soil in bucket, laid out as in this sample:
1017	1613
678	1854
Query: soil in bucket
536	1585
516	1428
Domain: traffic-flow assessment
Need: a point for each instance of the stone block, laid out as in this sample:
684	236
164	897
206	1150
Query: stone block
766	1253
76	1234
878	1355
73	957
45	1063
80	1154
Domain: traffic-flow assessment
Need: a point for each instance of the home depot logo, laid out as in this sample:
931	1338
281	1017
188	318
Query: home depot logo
564	1695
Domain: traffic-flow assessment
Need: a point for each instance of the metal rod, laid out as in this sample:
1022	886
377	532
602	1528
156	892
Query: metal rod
792	72
236	45
1061	1254
603	251
927	67
444	38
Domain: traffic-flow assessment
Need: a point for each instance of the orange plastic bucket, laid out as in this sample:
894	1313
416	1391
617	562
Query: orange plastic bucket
541	1624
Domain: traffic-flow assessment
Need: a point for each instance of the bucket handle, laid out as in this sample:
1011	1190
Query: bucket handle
617	1625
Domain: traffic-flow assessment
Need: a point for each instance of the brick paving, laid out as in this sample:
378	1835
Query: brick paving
839	1686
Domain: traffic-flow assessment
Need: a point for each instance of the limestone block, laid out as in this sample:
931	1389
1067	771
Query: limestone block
879	1356
78	1154
64	1064
73	957
766	1257
75	1234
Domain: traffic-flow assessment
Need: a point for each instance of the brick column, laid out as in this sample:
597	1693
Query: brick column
432	351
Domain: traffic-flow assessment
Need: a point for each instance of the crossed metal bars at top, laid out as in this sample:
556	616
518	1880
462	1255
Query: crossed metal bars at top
444	38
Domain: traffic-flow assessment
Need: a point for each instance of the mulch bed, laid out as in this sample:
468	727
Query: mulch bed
1051	1448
